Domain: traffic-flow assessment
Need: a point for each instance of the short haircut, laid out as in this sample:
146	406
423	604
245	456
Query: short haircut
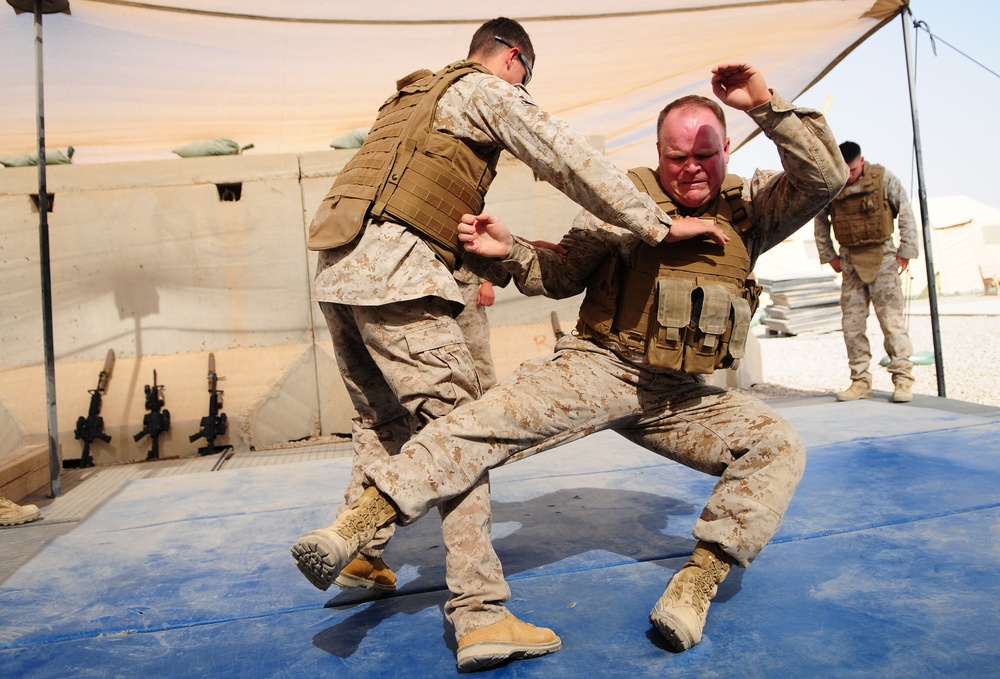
692	101
850	151
485	43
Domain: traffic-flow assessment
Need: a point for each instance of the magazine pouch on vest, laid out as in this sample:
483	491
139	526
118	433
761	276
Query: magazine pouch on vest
698	329
673	315
743	311
710	317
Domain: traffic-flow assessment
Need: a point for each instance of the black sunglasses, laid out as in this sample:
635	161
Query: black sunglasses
524	62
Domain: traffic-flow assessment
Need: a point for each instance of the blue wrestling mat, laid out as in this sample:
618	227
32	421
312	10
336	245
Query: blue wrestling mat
887	565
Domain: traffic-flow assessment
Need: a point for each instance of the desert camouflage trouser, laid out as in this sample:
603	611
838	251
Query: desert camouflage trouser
476	329
404	365
584	388
885	293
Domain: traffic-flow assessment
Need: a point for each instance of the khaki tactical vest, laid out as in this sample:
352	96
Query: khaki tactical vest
685	305
409	173
860	214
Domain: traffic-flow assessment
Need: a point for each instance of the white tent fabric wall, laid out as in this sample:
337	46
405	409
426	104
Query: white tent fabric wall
965	235
795	257
129	80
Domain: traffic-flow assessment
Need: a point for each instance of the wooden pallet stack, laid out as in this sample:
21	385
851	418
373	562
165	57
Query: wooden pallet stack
804	304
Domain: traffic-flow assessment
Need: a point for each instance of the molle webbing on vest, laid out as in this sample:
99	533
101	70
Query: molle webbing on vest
409	173
860	214
685	305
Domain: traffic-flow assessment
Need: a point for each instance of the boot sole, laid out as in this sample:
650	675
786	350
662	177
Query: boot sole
489	653
19	522
670	629
23	520
316	558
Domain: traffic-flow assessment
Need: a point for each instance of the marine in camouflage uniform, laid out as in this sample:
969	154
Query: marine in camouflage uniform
592	384
871	268
390	303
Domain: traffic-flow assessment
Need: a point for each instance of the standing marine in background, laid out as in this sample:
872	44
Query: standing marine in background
864	216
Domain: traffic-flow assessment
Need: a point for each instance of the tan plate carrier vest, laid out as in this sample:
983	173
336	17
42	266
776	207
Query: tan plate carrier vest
409	173
685	305
860	214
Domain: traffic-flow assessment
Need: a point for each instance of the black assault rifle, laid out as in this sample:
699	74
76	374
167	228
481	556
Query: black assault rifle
556	328
92	426
215	423
156	421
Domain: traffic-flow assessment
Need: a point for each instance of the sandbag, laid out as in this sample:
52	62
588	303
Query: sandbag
211	147
52	157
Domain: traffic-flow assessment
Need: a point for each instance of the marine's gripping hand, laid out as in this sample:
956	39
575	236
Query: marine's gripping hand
692	227
485	235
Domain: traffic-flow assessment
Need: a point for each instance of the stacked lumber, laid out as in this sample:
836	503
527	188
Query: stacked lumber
803	304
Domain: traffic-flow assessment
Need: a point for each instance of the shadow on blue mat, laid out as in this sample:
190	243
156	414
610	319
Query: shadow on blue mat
594	528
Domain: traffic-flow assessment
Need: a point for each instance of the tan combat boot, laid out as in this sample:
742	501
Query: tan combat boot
856	391
368	572
13	514
322	554
903	393
680	613
509	639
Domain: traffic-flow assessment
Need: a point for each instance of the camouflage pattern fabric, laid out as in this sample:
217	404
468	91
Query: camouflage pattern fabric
475	327
885	293
586	387
389	304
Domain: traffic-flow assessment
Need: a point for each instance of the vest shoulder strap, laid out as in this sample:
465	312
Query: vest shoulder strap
647	181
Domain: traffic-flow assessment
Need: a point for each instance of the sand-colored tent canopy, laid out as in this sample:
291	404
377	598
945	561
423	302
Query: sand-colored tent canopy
132	80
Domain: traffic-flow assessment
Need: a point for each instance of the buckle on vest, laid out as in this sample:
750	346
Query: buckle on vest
732	195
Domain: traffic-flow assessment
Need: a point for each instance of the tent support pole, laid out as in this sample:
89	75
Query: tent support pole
924	218
43	245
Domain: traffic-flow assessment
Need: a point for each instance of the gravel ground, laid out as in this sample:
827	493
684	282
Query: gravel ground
816	363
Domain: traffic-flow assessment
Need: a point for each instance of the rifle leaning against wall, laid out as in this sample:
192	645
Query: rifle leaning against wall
92	426
556	328
215	423
156	421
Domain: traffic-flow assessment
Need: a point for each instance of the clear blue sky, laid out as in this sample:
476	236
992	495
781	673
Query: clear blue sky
958	102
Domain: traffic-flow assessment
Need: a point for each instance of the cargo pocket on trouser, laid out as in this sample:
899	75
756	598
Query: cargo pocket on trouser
445	371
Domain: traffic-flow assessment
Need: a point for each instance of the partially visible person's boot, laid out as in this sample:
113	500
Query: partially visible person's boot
856	391
903	393
509	639
13	514
368	572
681	612
322	554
